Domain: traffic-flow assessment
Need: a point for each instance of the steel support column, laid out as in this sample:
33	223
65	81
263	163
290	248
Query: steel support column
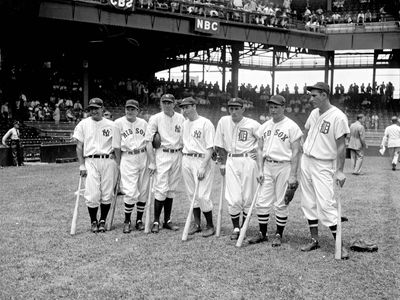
235	69
374	70
273	72
223	58
85	70
188	70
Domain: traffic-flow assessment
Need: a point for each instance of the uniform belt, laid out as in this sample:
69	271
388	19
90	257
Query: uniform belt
194	154
136	151
99	156
274	161
238	155
171	150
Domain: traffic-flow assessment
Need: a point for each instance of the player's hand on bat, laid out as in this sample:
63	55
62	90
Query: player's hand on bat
340	178
82	171
260	178
292	180
152	168
200	173
222	170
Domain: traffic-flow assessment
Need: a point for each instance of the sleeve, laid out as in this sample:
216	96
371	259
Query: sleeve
5	137
295	133
219	136
116	141
256	127
209	131
260	131
151	129
341	127
78	132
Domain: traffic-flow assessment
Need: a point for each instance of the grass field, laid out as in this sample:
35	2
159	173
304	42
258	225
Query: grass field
40	260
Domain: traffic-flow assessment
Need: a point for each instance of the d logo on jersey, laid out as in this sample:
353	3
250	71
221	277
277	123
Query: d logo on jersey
177	128
325	127
243	135
106	132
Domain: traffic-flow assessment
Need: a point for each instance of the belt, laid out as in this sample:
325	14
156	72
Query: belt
238	155
99	156
194	154
136	151
274	161
171	150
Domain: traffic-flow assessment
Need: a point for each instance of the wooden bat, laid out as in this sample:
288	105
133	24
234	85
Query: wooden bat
246	223
338	242
147	221
75	216
113	204
189	216
220	207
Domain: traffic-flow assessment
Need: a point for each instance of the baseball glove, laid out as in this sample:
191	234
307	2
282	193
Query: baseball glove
222	155
156	141
291	189
360	245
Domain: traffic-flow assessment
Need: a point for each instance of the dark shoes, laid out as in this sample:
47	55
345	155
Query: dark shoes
277	241
155	228
102	226
394	167
259	238
94	227
235	234
194	228
170	226
139	225
313	245
127	227
209	231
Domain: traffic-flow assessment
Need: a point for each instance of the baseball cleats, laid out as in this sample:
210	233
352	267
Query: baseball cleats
94	227
394	167
102	226
209	231
259	238
277	241
313	245
194	229
127	227
139	225
170	226
155	228
235	234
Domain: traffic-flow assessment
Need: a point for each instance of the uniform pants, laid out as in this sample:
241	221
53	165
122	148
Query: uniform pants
16	152
167	174
316	186
273	190
241	183
357	157
135	177
394	154
190	166
100	181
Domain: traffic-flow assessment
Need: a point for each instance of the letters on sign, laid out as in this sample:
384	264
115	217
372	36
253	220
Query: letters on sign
122	4
206	26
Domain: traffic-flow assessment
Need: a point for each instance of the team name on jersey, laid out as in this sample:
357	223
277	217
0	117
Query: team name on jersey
283	136
129	131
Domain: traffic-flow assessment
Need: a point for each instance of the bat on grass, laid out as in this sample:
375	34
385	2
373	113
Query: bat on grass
75	215
147	221
338	242
113	204
189	216
220	206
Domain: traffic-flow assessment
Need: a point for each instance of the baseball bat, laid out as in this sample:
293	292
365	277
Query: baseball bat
75	215
147	221
220	207
246	223
189	216
113	204
338	242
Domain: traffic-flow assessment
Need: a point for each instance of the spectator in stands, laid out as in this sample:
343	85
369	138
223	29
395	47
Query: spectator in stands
40	114
47	112
4	110
375	121
360	18
108	115
16	149
296	89
69	115
368	16
57	115
382	14
336	18
31	114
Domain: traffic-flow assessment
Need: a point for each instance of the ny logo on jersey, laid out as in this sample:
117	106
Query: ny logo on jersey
106	132
243	135
325	127
177	128
197	134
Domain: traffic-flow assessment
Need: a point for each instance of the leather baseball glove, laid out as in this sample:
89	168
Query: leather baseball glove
291	189
363	246
156	141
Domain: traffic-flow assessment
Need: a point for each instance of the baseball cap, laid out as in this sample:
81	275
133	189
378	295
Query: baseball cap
322	86
167	98
277	99
188	101
236	102
132	103
95	102
394	118
16	122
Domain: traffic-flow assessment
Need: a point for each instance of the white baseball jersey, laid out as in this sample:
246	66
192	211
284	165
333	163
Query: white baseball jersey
198	135
391	137
277	138
170	129
129	135
323	132
237	138
96	136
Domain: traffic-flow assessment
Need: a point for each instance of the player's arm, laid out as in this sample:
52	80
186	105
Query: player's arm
150	131
116	144
260	160
81	159
294	161
5	137
340	159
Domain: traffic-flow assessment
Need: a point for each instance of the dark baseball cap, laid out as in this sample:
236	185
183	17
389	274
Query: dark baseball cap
96	102
236	102
322	86
132	103
167	98
277	99
188	101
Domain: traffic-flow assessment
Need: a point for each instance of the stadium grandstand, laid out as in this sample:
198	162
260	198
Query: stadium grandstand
62	52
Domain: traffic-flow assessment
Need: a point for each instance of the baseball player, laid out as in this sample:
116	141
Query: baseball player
237	135
130	149
96	157
198	143
391	140
279	146
16	150
165	163
357	144
324	156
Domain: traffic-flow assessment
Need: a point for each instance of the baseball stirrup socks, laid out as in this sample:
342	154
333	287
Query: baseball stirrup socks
167	209
140	210
104	208
158	206
235	220
280	224
197	215
313	224
263	223
93	214
333	230
128	212
208	216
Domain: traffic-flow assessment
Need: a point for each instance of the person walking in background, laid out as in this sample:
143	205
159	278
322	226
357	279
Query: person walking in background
57	115
16	149
357	144
391	140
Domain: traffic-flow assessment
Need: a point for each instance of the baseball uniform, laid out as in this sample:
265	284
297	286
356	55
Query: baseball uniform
391	140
